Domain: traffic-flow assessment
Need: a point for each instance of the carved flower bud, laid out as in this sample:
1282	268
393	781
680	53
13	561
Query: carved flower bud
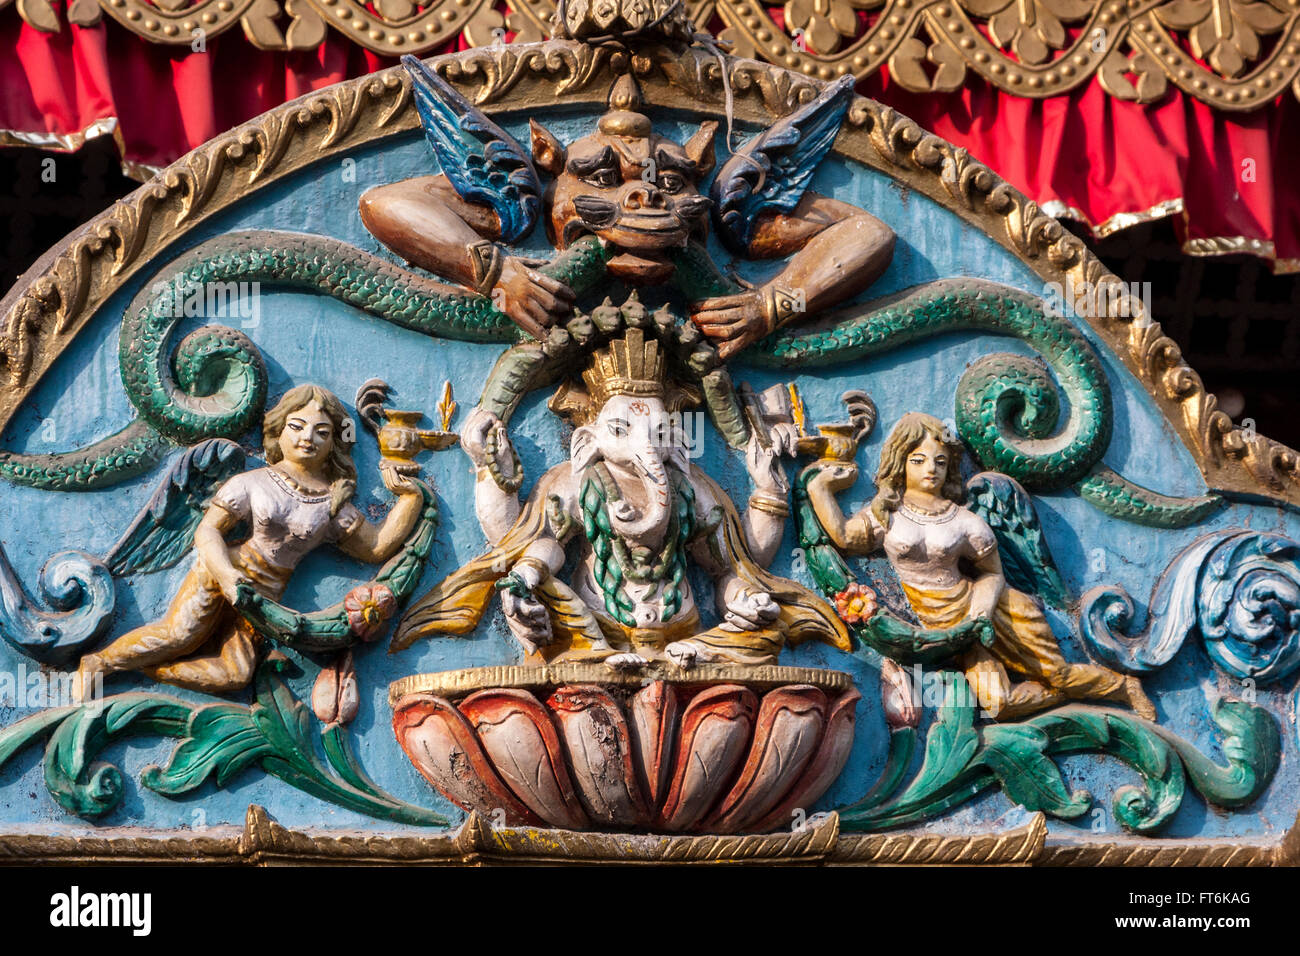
368	607
334	697
898	697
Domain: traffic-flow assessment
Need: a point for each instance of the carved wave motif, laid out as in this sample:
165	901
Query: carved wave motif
1239	590
669	756
79	591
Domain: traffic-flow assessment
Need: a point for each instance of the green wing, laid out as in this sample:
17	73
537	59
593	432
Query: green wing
163	532
1007	508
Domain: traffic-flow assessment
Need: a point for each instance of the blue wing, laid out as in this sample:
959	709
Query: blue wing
1009	511
774	168
484	163
163	532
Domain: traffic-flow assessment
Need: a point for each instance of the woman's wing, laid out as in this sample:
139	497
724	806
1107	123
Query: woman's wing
1026	563
163	532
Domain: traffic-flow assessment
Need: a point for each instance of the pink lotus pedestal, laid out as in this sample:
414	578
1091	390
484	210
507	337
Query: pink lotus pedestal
715	749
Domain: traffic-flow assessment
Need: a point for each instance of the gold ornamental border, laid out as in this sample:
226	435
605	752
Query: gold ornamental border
264	842
1242	55
53	301
458	683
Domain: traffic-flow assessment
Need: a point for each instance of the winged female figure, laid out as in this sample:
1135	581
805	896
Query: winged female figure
948	562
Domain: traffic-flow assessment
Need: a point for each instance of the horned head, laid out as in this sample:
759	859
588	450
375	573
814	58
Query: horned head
633	188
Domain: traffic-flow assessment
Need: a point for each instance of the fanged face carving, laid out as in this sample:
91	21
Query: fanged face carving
638	192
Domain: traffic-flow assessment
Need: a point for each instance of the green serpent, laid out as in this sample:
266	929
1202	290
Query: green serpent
1007	406
215	384
125	454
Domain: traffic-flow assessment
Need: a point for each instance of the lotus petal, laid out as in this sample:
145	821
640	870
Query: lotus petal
441	743
655	710
517	734
714	737
786	736
600	755
825	767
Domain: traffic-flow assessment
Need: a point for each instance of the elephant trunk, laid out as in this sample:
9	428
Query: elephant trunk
647	525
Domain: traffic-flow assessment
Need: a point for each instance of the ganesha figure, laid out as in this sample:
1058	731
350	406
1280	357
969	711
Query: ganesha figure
638	513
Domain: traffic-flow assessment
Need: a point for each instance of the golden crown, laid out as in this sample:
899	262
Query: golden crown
632	365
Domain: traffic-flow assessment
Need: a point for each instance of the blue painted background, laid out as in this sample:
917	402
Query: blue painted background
309	338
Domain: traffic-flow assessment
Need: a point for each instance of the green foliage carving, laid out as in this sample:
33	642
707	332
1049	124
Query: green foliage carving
218	742
962	760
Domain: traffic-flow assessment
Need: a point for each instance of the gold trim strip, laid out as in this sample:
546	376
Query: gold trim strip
1229	246
66	142
1117	222
264	842
140	172
1138	58
71	142
458	683
1211	246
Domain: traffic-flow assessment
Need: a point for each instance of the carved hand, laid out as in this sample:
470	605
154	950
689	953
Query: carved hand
474	435
732	321
533	301
398	483
227	577
751	610
834	478
526	616
764	462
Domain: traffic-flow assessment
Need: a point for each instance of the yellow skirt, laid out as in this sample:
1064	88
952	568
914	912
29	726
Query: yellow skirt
1023	646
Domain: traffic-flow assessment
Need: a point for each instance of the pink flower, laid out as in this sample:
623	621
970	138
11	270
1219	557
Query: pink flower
856	603
368	607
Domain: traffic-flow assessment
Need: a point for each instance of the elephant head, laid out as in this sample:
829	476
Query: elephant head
637	434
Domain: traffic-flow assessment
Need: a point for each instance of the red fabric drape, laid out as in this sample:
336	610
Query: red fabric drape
165	100
1104	157
1085	151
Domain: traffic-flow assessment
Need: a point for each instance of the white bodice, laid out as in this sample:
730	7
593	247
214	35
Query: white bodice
926	549
286	524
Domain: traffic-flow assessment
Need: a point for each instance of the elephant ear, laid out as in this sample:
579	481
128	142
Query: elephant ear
1026	563
583	449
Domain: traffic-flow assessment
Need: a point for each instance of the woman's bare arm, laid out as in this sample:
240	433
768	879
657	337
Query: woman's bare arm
210	543
988	585
374	543
851	535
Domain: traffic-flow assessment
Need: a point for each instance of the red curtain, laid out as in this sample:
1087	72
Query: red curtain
166	100
1220	173
1104	158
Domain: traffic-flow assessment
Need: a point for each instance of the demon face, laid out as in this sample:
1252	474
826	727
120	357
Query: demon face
636	190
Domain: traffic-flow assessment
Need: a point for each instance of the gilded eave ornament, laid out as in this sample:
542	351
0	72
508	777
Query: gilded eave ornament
1234	56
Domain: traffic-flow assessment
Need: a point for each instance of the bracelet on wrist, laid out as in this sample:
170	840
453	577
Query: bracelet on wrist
486	260
769	504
